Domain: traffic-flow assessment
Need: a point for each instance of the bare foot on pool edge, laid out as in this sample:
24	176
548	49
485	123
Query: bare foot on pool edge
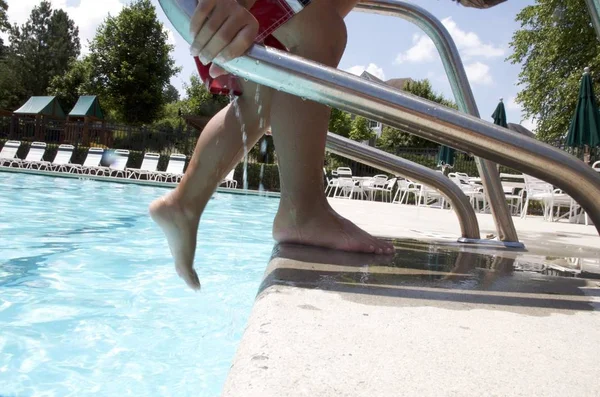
181	229
323	227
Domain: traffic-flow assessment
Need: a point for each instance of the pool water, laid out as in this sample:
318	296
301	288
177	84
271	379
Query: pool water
90	303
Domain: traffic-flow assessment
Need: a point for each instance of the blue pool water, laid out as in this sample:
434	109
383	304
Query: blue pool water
90	303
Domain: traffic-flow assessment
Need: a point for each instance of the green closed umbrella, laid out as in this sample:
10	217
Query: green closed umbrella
446	157
584	129
499	115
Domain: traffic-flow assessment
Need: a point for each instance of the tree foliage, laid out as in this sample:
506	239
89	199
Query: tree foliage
392	138
4	25
41	49
555	42
200	101
360	130
132	64
171	94
340	122
73	84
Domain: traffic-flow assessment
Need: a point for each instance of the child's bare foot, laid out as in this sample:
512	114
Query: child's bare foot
180	226
321	226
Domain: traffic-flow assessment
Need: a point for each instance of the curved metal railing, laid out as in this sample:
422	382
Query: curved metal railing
463	94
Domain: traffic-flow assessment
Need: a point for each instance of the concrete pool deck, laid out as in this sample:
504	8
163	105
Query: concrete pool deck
438	319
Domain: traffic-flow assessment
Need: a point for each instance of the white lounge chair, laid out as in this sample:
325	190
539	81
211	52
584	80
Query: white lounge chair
537	190
174	171
34	156
149	167
117	166
229	182
8	154
62	160
91	162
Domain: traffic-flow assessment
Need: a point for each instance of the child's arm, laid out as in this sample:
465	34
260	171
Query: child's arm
223	29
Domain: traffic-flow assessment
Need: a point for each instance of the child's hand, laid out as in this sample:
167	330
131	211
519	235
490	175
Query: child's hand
222	29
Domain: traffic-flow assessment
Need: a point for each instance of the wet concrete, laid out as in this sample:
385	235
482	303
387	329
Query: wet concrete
435	319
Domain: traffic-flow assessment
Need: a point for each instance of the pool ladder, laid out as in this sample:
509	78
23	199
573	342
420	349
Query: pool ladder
463	129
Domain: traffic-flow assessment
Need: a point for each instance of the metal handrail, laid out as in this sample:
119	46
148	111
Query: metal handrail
429	120
594	9
399	166
463	94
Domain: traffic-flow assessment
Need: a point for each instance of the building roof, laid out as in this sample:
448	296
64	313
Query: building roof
370	77
399	83
42	106
87	106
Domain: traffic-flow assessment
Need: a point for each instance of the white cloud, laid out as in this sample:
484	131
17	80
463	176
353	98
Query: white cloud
371	68
530	124
468	43
423	50
512	104
87	14
479	73
170	36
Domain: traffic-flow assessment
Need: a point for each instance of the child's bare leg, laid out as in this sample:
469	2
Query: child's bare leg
299	130
218	150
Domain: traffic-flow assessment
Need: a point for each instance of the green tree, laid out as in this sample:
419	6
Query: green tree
42	48
360	130
171	94
200	101
554	44
4	25
73	84
340	122
132	63
392	138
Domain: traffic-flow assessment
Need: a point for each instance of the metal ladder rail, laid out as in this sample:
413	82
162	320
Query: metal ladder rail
463	94
594	9
429	120
178	12
398	166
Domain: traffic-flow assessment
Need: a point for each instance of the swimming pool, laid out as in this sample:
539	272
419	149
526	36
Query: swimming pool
89	300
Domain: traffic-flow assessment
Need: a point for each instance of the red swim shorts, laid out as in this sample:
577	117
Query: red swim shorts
270	14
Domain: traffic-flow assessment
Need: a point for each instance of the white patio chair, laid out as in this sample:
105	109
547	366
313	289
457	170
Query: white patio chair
537	190
229	181
91	162
345	188
473	192
406	188
374	185
174	171
8	154
149	167
429	197
117	167
34	156
62	160
386	190
330	183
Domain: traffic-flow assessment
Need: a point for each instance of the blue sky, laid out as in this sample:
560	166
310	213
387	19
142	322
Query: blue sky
385	46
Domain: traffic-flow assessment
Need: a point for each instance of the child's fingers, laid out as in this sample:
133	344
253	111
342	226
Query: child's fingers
208	30
240	44
226	34
201	14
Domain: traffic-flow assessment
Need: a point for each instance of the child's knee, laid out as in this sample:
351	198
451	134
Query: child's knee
317	33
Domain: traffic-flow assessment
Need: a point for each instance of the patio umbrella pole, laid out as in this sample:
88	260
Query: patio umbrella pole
594	8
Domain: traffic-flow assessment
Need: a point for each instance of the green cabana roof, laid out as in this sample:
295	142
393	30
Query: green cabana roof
87	106
43	106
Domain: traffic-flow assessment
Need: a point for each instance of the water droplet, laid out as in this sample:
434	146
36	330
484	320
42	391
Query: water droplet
304	99
257	62
245	79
